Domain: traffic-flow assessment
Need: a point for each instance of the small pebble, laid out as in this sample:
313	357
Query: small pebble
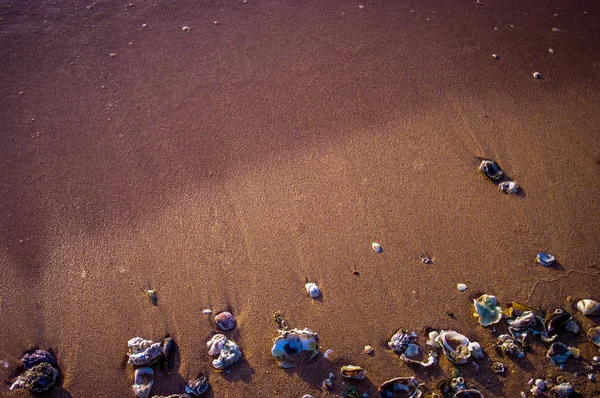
361	7
538	75
144	25
186	29
556	30
113	54
461	287
495	56
551	51
217	23
376	246
313	290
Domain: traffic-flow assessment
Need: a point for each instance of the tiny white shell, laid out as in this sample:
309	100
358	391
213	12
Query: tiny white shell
588	307
368	349
207	312
328	353
376	246
313	290
495	56
537	75
186	28
461	287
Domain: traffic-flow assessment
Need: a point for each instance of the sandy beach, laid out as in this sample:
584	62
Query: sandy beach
269	146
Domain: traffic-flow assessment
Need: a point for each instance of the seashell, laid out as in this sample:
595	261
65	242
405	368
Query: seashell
313	290
38	378
487	310
461	287
572	326
558	353
433	335
207	312
431	359
538	75
470	393
491	169
505	345
509	187
227	350
197	386
143	381
545	259
564	389
376	246
151	293
225	320
400	387
537	387
327	384
351	392
458	384
289	347
37	357
353	372
557	319
328	353
588	307
369	349
455	346
519	309
215	344
498	367
169	351
401	340
593	335
476	350
143	352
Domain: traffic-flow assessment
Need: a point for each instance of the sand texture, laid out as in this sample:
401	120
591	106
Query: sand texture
227	166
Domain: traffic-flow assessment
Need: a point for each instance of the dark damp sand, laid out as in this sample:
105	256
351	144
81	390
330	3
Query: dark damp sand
227	166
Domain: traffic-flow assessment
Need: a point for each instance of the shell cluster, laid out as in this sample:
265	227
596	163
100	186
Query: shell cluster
41	372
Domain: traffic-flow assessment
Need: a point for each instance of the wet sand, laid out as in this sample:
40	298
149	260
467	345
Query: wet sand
227	166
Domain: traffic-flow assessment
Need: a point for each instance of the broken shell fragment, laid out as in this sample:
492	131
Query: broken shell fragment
455	346
505	345
509	187
593	335
227	350
400	387
545	259
169	350
588	307
538	75
353	372
402	340
377	247
289	347
198	386
143	352
327	384
143	381
557	319
476	350
151	293
491	169
558	353
37	357
572	326
470	393
461	287
564	389
487	310
225	320
313	290
368	349
38	378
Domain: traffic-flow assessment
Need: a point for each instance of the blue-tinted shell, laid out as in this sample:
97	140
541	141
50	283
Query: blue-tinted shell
37	357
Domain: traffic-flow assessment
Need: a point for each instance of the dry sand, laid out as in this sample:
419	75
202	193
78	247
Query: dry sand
226	166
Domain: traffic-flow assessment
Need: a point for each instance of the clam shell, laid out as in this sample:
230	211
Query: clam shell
143	382
400	387
471	393
143	352
588	307
376	246
487	310
455	346
353	372
558	353
557	319
461	287
169	351
545	259
593	335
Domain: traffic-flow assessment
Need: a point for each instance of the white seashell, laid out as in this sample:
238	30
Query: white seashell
313	290
476	350
207	312
461	287
588	307
327	353
537	75
143	382
368	349
572	326
509	187
376	246
186	28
